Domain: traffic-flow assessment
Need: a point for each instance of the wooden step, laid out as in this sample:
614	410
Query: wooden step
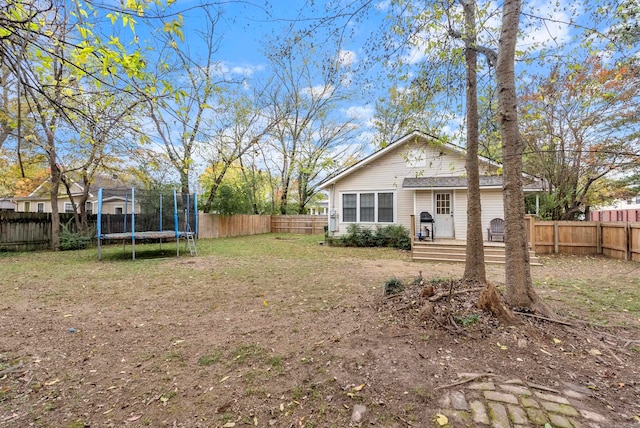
456	252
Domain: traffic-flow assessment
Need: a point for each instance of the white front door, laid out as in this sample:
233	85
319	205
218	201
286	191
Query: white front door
444	215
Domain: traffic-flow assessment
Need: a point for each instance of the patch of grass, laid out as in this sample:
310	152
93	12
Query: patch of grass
593	300
210	359
467	320
393	286
248	352
276	362
174	356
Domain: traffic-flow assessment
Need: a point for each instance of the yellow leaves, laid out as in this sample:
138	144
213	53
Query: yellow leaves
441	419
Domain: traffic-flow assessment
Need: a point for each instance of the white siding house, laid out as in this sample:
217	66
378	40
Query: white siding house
414	174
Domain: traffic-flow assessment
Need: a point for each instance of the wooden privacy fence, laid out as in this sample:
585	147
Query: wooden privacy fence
618	240
220	226
305	224
32	231
29	231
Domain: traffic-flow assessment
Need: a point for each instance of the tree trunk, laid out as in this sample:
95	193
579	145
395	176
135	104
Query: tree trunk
55	186
284	197
474	269
519	287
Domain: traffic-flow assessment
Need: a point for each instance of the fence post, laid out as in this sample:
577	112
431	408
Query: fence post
556	238
412	231
599	237
627	240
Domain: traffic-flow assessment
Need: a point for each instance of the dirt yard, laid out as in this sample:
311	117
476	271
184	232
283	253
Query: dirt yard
281	331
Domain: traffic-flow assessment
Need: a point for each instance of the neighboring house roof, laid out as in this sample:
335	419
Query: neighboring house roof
7	204
486	182
116	192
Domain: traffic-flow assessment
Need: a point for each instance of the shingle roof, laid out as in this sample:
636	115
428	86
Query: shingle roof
458	182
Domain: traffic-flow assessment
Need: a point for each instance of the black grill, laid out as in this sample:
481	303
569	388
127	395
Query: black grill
426	226
425	217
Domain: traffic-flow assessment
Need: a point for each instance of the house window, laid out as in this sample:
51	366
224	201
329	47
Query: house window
443	203
370	207
367	207
40	207
638	199
118	210
385	207
88	207
349	207
68	207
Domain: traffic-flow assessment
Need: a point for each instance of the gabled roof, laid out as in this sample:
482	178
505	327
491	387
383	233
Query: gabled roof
399	142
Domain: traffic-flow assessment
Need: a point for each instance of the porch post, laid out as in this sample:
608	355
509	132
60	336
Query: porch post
412	230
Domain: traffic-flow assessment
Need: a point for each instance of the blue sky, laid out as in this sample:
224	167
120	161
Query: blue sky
244	28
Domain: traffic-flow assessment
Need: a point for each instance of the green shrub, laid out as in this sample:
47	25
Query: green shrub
70	240
393	286
394	236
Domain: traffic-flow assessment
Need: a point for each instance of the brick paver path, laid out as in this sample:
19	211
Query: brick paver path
518	404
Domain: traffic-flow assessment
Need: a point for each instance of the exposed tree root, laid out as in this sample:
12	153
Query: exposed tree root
526	314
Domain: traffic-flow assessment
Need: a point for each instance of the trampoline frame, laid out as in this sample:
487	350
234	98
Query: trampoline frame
158	234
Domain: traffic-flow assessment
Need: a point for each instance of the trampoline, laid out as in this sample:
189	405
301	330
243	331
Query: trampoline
142	215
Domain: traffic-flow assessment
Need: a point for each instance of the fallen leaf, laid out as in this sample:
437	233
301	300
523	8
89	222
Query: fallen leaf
282	407
359	387
223	379
229	425
556	341
594	352
637	418
134	418
68	315
441	419
52	382
265	303
255	421
546	352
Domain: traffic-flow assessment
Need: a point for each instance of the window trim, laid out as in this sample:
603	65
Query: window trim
70	209
376	206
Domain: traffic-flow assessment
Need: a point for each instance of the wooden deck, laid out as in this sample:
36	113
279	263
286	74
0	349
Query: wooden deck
450	250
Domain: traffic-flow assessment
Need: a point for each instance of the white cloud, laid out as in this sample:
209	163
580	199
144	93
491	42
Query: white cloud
346	58
546	24
360	113
383	5
319	91
223	68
